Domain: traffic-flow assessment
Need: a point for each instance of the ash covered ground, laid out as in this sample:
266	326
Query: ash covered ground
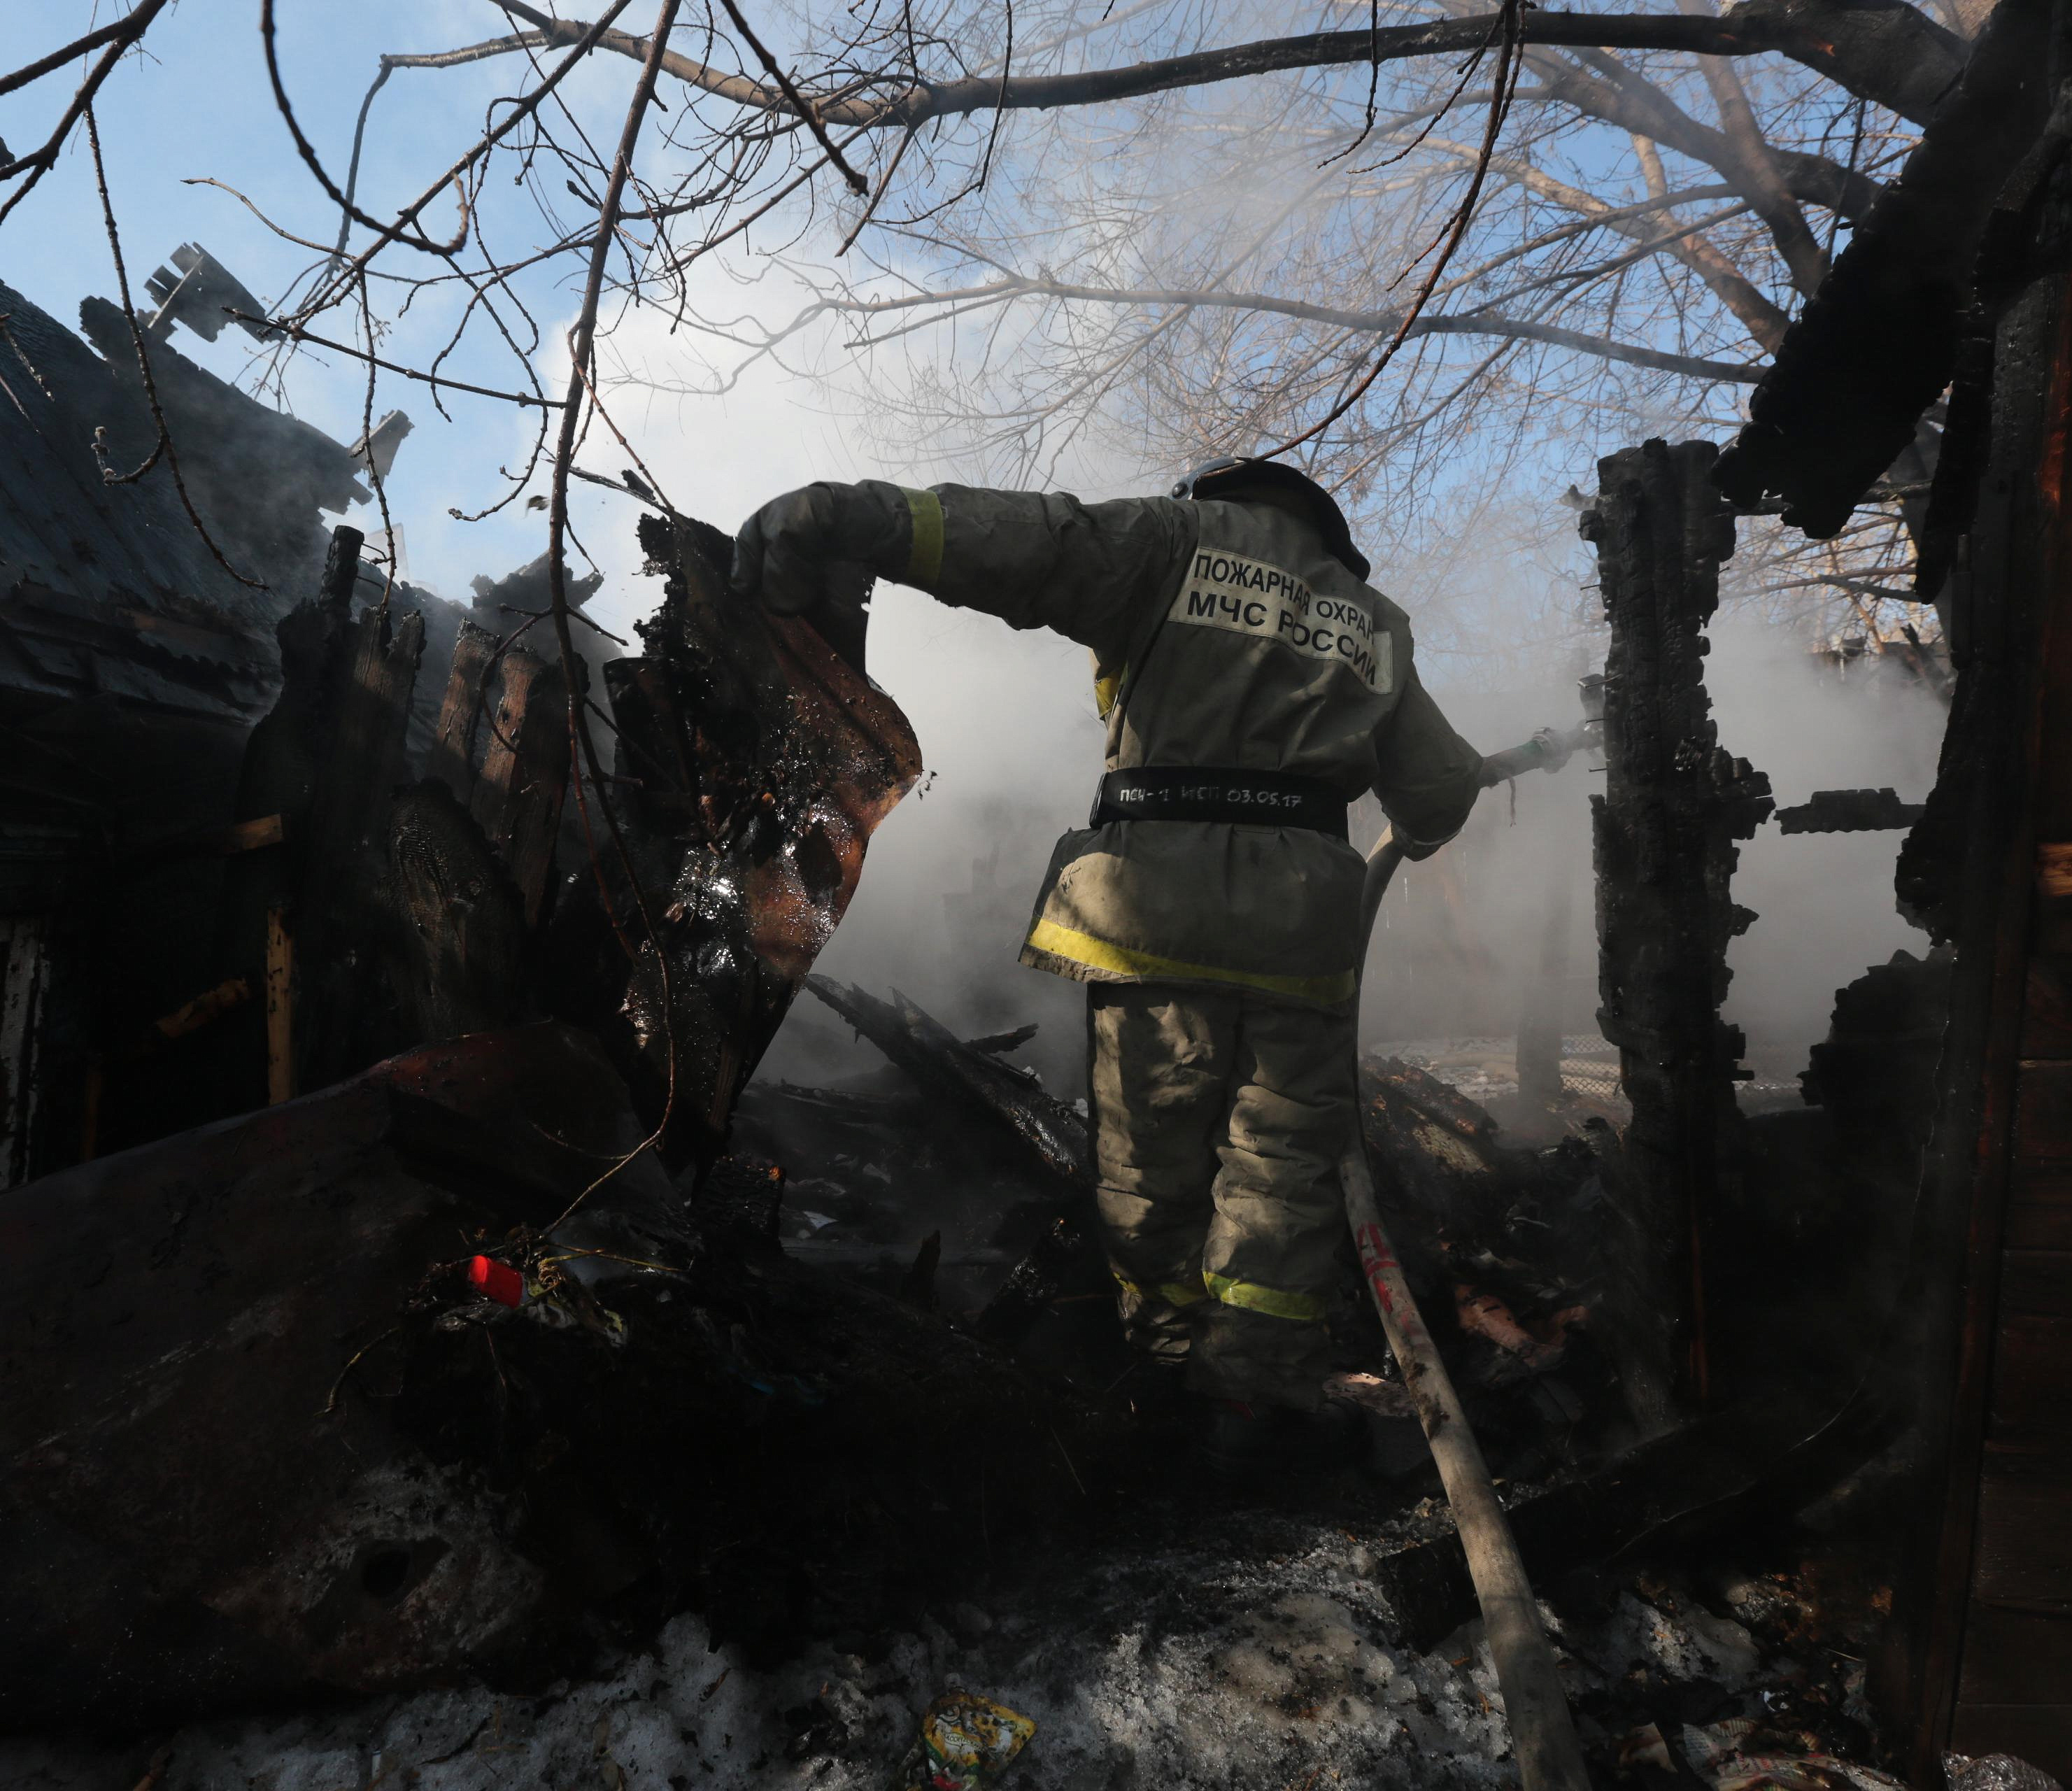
1232	1651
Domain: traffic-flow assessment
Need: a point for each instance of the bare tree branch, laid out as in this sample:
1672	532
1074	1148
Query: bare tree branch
39	162
437	381
1910	74
127	29
1757	168
1639	108
1764	321
1367	322
582	338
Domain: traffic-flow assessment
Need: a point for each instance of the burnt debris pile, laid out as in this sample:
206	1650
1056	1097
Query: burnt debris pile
406	1280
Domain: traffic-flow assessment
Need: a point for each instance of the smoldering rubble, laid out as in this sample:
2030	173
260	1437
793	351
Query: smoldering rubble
432	1353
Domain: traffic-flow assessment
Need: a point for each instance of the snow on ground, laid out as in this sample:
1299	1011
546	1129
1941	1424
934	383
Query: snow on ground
1251	1654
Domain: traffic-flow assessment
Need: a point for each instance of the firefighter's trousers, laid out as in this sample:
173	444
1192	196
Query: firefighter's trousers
1219	1118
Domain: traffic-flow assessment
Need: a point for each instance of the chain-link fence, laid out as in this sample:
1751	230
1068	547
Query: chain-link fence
1590	1068
1486	1069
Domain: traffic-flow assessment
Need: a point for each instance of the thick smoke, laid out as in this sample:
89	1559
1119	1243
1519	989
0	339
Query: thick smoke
1009	732
1824	901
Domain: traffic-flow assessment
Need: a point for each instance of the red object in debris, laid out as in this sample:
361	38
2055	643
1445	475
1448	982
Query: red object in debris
504	1286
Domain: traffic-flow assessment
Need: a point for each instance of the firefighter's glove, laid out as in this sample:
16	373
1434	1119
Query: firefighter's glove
1547	750
821	544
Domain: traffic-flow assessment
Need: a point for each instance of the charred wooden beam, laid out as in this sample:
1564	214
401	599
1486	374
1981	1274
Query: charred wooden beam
286	748
452	759
1722	1472
210	1006
944	1064
25	970
1980	1597
344	916
326	761
222	841
1849	812
1663	832
280	1008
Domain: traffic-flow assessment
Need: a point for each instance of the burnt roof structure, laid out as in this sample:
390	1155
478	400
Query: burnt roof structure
1877	344
106	589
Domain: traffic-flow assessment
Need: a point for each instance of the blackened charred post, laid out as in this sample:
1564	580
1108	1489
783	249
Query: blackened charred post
325	759
1674	803
344	870
517	801
451	759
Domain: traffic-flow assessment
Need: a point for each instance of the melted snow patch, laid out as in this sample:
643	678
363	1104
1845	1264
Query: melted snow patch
1206	1665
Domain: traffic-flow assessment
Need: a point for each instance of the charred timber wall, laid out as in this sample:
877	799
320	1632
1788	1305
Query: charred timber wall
1663	833
1990	1614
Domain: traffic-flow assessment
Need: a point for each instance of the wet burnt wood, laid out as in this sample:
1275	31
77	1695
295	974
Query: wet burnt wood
1664	834
752	762
970	1076
1848	812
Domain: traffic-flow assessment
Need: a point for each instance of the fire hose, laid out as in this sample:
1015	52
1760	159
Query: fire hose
1543	1734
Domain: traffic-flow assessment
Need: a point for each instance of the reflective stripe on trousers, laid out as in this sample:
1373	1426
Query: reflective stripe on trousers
1218	1120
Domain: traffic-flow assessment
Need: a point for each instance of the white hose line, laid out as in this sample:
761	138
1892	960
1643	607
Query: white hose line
1543	1734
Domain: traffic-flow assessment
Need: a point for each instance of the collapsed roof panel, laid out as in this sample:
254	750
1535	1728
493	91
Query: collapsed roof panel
253	451
61	524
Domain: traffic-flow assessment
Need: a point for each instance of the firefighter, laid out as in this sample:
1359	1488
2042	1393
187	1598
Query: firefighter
1254	684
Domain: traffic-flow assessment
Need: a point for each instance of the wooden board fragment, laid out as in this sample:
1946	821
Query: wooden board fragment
460	721
280	1008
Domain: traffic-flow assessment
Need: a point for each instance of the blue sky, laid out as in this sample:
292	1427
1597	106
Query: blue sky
199	107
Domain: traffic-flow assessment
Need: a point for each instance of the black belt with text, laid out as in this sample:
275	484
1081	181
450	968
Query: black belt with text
1208	792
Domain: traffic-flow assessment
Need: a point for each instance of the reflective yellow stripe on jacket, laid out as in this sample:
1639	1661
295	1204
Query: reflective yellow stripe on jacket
1101	954
924	559
1174	1293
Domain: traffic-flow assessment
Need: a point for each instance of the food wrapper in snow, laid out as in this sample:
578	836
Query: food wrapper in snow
1798	1773
1724	1757
965	1743
1995	1772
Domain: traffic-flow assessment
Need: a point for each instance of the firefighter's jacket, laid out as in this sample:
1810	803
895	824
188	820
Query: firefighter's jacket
1224	636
